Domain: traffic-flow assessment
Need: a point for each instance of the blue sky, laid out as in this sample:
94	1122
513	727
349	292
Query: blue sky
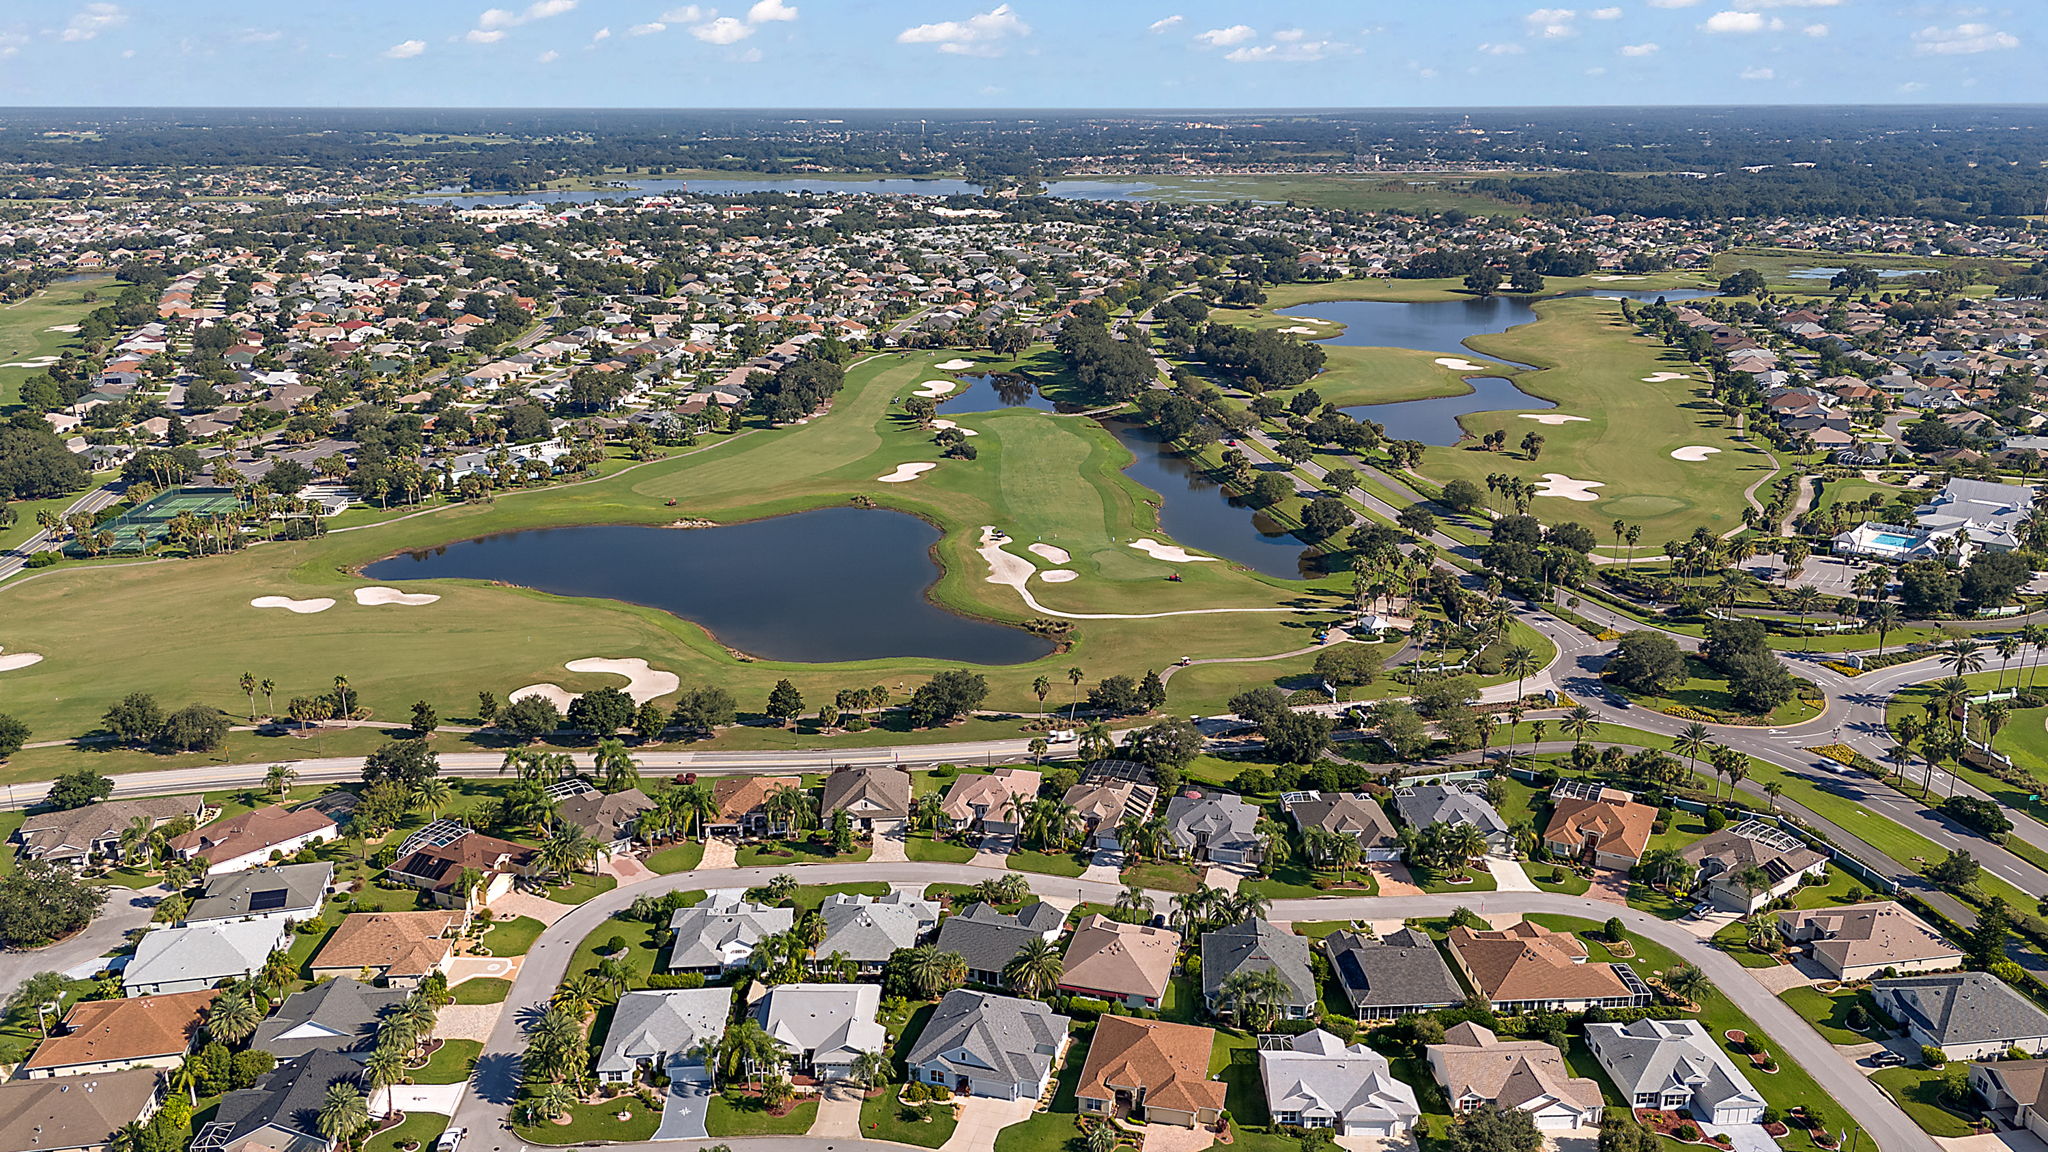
1026	53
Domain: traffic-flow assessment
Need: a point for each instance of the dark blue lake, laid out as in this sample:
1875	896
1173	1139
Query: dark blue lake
1435	420
993	392
1198	514
819	587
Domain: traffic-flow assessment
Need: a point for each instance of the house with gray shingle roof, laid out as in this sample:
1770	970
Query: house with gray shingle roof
1673	1064
987	939
1318	1081
1345	814
719	934
1257	945
1213	826
1427	804
867	929
199	956
339	1015
654	1030
1969	1015
981	1044
1398	974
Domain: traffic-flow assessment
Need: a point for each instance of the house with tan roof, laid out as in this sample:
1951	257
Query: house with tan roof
1355	815
867	793
990	801
1860	941
1477	1067
76	1113
76	835
1152	1071
1529	968
106	1035
2014	1092
1110	960
1104	804
1610	830
742	804
437	868
610	818
399	948
1751	851
253	838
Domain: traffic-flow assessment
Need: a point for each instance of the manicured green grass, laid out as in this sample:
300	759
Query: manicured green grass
1162	876
682	856
1829	1013
581	887
1919	1092
1053	1130
450	1063
1294	880
929	849
1477	879
1049	864
25	330
481	990
884	1117
1734	940
513	937
641	952
597	1123
810	850
724	1118
422	1128
1706	690
809	896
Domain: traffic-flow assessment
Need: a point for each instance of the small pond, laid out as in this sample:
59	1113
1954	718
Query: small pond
825	586
993	392
1882	273
1435	420
1198	514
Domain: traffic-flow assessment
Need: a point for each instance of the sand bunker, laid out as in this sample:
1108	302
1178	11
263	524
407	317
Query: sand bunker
35	362
1560	485
1456	364
934	389
1056	555
642	683
1171	553
554	694
942	425
1301	330
1664	377
19	660
302	607
1693	453
1058	575
906	472
62	328
1610	279
954	365
1552	418
375	596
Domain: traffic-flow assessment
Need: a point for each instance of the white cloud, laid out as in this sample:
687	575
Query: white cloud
538	10
767	11
1797	3
601	34
1815	30
1551	23
1604	14
749	56
1510	48
1673	3
1170	22
1962	40
92	20
1289	35
687	14
648	29
724	30
548	57
1740	22
1225	37
1649	49
484	35
983	34
258	36
1291	51
1912	86
405	49
11	44
1759	74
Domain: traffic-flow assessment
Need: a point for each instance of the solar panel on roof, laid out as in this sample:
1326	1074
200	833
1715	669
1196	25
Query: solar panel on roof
267	900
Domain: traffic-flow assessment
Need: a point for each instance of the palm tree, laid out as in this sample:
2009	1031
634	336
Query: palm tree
1661	865
135	839
342	1111
1035	970
1686	982
1803	601
1885	619
747	1049
2008	646
1963	655
873	1068
432	794
1096	741
1252	997
1581	723
1772	788
233	1018
1693	740
1133	905
567	849
278	778
385	1067
1519	661
1753	880
934	973
615	766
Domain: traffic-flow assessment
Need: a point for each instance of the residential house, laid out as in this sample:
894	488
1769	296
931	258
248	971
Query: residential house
1730	860
1256	945
1315	1080
2014	1092
982	1044
198	956
280	1113
1477	1067
1152	1071
1529	968
99	1036
869	929
869	794
1861	941
1602	826
988	939
286	893
742	803
1968	1015
76	835
1103	806
1674	1064
719	934
399	948
339	1015
661	1032
610	818
76	1113
1398	974
825	1027
438	868
1346	814
253	838
990	802
1213	826
1110	960
1427	804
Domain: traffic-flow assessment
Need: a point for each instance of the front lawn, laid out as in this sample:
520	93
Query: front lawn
813	850
513	937
1477	879
1163	876
681	856
1829	1013
808	897
748	1118
1049	863
927	848
581	887
1557	878
450	1064
1921	1092
1053	1130
597	1124
1295	880
1734	940
421	1128
641	952
481	990
884	1117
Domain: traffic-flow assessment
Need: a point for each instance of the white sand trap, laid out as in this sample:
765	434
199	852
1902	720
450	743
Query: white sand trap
1552	418
1301	330
62	328
555	694
906	472
1058	575
1457	364
642	683
954	365
1171	553
1693	453
34	362
942	425
934	389
1056	555
1664	377
1013	571
19	660
1560	485
302	607
375	596
1611	279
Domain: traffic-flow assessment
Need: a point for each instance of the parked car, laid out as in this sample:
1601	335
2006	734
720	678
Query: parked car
1887	1059
450	1140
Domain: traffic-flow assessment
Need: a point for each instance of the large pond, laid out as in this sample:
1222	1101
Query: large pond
1435	420
898	186
1197	513
993	392
831	585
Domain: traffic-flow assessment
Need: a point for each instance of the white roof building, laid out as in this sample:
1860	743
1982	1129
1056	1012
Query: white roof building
199	956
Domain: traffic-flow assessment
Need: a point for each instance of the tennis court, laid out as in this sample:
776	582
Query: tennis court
148	523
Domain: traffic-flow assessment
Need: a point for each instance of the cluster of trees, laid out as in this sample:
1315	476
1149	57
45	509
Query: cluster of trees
140	721
41	903
796	389
1522	549
1931	587
1740	650
1259	358
1111	369
34	464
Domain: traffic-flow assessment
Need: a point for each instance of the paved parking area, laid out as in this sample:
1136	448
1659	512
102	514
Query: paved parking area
689	1102
1509	875
1609	885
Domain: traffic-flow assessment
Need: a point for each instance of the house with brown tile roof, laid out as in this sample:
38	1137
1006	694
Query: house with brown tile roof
398	947
106	1035
1104	804
1529	968
1111	960
1611	830
742	801
245	841
1859	941
1150	1070
610	818
437	869
1477	1067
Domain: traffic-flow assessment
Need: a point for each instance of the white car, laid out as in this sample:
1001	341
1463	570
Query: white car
450	1140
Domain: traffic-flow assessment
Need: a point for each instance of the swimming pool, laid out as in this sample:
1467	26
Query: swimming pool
1891	540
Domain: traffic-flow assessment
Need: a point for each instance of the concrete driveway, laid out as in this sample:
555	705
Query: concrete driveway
689	1100
982	1118
1743	1137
